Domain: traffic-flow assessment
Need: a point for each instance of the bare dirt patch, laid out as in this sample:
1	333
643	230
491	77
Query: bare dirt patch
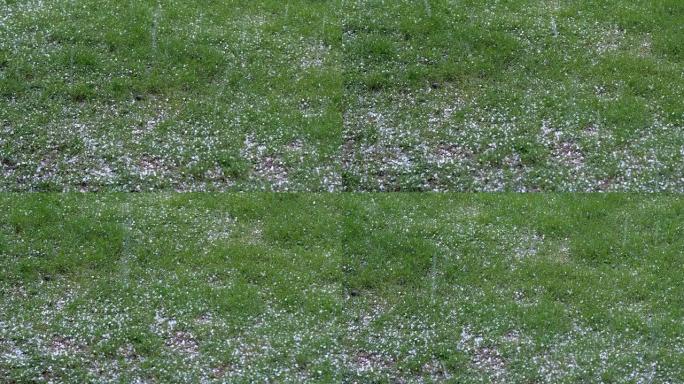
267	166
489	360
183	342
372	362
64	346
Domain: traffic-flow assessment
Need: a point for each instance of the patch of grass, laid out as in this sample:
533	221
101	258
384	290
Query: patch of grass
320	288
528	95
160	94
520	95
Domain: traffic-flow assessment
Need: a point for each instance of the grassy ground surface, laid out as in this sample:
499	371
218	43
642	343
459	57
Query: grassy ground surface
341	288
341	95
517	95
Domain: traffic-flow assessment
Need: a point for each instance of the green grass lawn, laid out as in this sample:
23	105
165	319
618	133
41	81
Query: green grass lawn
395	288
317	96
341	95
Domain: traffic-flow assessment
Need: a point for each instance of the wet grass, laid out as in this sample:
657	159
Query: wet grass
340	95
514	95
368	95
168	95
341	288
